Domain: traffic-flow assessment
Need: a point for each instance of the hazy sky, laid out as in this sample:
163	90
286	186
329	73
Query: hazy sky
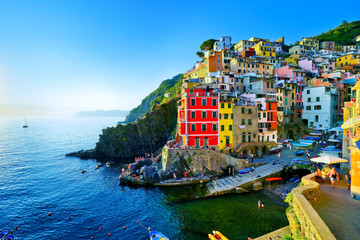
61	57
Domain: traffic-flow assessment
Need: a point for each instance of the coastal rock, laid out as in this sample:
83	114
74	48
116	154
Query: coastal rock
147	135
151	175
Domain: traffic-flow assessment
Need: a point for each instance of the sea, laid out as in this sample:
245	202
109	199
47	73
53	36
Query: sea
37	179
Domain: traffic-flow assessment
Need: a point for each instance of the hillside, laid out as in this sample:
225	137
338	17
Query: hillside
102	113
146	102
343	34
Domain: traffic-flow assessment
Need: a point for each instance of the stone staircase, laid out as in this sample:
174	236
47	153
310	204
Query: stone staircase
229	184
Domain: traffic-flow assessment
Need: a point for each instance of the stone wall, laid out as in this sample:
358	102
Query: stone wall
202	160
307	220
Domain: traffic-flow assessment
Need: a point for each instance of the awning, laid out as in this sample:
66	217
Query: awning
351	122
336	129
328	160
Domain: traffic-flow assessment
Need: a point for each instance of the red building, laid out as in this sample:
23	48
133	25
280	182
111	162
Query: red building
271	108
198	120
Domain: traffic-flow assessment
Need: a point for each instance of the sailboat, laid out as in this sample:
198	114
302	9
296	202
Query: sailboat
25	126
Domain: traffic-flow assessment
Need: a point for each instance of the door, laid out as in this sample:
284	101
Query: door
206	142
197	142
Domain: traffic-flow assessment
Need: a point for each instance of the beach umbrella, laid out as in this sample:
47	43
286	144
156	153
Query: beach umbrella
328	160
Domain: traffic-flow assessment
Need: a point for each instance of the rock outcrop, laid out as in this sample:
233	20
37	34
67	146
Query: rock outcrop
147	135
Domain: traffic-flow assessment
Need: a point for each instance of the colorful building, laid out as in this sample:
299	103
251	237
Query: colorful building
327	45
198	118
351	137
264	49
303	50
226	126
213	61
348	59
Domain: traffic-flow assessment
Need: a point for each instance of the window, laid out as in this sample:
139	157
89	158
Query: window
232	116
230	127
203	127
308	107
214	127
203	114
214	115
259	116
316	118
222	105
267	84
242	110
317	107
272	85
264	114
249	122
193	114
226	116
307	91
250	112
242	121
204	101
309	99
222	128
318	99
191	91
193	127
214	102
192	102
229	105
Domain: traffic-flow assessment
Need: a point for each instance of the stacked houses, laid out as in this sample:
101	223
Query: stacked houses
235	100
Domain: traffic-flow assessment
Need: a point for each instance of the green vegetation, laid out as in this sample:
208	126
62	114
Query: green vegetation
289	198
200	54
146	103
207	45
344	34
286	237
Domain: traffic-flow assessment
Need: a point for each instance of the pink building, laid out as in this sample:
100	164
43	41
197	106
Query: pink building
327	45
294	73
308	65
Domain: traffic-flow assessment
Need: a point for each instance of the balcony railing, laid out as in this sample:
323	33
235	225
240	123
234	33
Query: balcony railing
208	94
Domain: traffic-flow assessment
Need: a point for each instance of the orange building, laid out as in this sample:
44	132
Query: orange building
213	61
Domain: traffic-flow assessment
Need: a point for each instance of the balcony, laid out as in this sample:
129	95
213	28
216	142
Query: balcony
208	94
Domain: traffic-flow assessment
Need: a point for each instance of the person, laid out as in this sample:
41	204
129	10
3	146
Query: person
290	158
273	162
278	156
259	204
185	174
348	179
318	175
252	158
323	175
201	183
334	176
174	175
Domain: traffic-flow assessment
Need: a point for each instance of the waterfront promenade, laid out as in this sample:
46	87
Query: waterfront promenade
339	210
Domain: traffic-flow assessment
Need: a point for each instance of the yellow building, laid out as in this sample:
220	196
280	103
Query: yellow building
226	131
347	60
311	42
351	136
294	59
264	49
251	65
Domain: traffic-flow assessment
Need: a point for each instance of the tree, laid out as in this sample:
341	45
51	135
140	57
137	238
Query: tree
297	43
207	45
344	22
200	54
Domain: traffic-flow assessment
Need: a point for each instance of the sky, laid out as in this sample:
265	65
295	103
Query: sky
61	57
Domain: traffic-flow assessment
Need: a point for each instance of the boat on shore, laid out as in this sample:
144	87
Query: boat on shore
246	170
316	133
300	152
275	150
155	235
217	233
312	138
297	145
182	182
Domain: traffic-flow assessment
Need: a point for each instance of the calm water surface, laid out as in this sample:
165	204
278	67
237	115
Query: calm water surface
36	178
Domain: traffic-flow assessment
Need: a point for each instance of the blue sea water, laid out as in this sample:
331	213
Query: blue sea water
36	178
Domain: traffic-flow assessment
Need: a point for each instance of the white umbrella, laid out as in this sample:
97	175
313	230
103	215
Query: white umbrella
328	160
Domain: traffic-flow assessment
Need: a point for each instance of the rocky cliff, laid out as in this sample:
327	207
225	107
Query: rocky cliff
146	135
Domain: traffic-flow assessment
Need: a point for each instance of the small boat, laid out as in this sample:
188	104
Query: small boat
109	163
299	152
306	141
312	138
155	235
316	133
275	150
212	236
182	182
9	237
331	148
3	233
25	126
294	179
274	179
246	170
301	161
300	145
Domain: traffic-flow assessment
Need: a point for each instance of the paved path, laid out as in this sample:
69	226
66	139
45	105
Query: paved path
340	212
226	184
